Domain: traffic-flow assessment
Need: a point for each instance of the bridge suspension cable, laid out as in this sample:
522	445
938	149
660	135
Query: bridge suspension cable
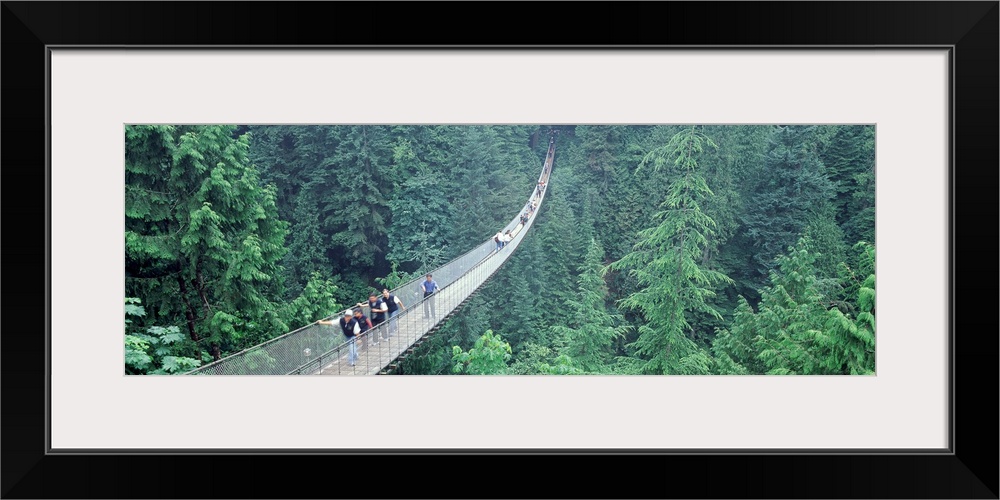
321	349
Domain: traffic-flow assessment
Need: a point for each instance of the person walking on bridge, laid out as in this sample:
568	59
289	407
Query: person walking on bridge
429	286
506	238
350	327
377	309
499	239
394	305
365	324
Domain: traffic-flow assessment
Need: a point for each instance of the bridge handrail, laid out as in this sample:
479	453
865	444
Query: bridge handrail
543	176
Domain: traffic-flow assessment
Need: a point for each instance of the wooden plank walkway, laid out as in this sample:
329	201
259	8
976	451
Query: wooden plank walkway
379	347
412	325
314	350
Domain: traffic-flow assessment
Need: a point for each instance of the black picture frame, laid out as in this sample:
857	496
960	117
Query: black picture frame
968	470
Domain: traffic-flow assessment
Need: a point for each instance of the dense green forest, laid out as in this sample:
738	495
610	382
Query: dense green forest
658	250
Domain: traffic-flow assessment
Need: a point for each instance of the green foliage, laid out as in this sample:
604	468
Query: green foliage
420	213
395	278
790	189
314	303
665	263
563	366
480	155
137	360
855	334
306	244
234	238
356	209
796	331
854	272
154	352
530	357
488	357
826	242
735	348
203	240
849	155
791	319
433	357
133	307
589	339
259	360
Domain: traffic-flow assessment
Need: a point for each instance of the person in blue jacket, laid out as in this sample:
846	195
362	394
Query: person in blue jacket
429	286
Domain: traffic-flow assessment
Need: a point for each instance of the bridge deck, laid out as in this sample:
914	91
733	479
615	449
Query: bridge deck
400	334
379	347
320	349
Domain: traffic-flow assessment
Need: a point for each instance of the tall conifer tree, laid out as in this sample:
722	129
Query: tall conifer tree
665	262
203	240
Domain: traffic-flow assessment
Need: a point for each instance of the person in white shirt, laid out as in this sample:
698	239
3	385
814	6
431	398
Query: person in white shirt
506	238
395	305
351	328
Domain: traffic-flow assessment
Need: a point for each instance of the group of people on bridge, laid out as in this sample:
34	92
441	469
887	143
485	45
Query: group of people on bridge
385	307
502	238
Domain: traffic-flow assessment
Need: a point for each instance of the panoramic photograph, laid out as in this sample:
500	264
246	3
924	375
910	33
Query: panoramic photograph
499	249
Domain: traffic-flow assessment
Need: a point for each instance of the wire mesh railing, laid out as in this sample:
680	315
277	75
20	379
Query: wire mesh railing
322	349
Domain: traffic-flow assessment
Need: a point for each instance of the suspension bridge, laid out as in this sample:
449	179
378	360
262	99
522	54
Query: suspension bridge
322	350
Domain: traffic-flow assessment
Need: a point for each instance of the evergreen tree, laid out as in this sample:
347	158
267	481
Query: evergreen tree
795	330
368	206
314	303
553	248
621	203
848	152
518	298
790	323
860	225
665	263
292	157
734	349
357	211
591	332
563	366
790	190
826	243
287	156
306	243
855	331
739	157
490	189
488	357
203	240
420	212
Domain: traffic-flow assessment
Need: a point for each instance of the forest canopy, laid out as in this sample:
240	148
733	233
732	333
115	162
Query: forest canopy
671	249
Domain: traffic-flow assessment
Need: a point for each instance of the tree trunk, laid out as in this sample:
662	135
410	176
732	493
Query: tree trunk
200	284
188	310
